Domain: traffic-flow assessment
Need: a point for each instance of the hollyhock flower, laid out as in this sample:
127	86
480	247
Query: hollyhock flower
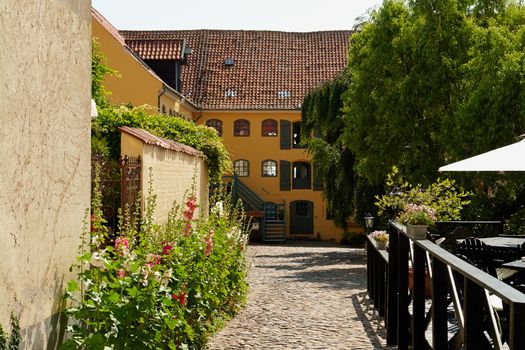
187	229
188	214
121	273
166	278
145	272
180	297
166	249
152	259
209	245
191	203
92	218
97	260
95	240
219	208
122	246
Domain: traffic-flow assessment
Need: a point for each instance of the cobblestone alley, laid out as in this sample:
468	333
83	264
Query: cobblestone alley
304	295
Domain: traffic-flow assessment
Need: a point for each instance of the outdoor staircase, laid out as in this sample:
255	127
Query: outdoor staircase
271	216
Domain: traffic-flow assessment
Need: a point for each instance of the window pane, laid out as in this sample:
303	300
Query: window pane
269	168
241	168
296	135
241	128
301	178
269	127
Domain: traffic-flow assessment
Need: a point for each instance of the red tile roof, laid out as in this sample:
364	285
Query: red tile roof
158	49
151	139
271	70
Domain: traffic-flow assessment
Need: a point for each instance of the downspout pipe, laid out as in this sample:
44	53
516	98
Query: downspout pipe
158	98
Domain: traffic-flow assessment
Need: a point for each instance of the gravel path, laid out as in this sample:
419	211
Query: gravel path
304	296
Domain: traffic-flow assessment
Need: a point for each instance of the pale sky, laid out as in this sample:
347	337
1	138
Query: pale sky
284	15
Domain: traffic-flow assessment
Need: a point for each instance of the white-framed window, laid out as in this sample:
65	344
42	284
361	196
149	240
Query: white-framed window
241	167
269	168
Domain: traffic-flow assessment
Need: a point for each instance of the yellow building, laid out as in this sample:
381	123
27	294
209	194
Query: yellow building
136	83
249	85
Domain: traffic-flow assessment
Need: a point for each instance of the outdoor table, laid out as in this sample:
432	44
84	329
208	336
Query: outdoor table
506	242
515	265
509	242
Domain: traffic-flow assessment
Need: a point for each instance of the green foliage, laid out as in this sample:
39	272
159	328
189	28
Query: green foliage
200	137
99	69
159	286
428	83
321	118
441	197
14	339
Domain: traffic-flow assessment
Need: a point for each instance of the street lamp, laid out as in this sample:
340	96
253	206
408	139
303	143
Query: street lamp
369	221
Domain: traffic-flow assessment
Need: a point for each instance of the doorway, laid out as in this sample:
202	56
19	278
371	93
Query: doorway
301	218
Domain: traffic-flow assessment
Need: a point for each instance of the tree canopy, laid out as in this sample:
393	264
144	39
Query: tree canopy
428	83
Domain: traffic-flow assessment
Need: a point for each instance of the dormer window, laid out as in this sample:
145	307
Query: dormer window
230	93
229	62
284	93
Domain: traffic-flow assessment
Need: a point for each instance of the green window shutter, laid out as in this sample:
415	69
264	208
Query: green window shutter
318	182
285	175
286	134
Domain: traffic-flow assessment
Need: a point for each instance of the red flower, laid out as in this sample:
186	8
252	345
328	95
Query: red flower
180	297
166	249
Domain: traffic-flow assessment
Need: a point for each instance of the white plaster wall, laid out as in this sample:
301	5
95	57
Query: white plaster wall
173	174
45	72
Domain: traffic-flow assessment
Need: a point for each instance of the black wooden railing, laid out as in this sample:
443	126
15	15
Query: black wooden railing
460	293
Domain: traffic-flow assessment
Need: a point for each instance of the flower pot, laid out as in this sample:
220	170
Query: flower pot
428	292
417	232
380	245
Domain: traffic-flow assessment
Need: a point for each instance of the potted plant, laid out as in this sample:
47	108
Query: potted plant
380	238
417	218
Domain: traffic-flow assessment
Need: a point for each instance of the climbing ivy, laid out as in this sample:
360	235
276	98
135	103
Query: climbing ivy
321	119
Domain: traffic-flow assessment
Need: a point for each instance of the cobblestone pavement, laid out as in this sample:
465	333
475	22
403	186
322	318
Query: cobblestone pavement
304	296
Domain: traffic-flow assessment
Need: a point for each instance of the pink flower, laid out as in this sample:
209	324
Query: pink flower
187	229
191	203
152	259
188	214
209	245
121	273
121	242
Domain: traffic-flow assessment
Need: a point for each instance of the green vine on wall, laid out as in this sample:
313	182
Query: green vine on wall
11	342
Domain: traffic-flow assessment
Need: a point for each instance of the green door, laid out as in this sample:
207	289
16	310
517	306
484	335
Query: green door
301	218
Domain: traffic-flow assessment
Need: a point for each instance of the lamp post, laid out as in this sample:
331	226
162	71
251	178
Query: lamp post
369	222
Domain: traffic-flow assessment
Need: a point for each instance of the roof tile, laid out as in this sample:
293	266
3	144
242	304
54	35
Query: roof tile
265	63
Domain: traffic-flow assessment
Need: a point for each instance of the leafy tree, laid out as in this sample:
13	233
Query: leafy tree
428	83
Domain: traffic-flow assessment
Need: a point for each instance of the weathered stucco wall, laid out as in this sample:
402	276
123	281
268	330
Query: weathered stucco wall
172	173
45	65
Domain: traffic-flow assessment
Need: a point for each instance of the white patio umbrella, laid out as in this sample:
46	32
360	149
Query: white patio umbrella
507	158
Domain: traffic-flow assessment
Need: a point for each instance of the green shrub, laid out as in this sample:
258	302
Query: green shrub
205	139
160	286
11	342
441	197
